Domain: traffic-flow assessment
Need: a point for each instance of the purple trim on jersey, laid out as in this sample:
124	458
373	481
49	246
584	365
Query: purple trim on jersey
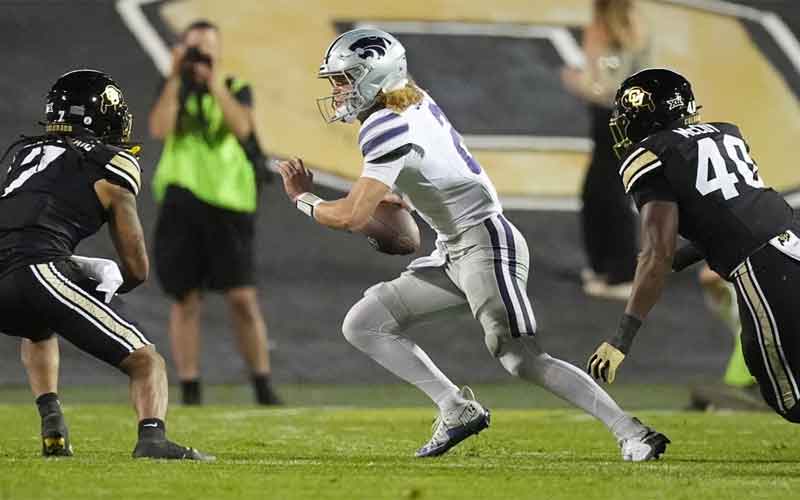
383	119
385	136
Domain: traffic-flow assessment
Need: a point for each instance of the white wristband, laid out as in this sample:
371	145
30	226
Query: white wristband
307	202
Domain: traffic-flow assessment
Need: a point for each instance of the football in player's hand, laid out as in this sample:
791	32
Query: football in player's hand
392	229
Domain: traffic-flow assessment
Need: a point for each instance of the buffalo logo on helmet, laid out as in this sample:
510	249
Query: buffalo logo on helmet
369	47
110	98
637	97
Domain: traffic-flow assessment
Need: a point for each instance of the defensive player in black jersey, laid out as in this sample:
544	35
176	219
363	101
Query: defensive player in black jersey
62	187
699	180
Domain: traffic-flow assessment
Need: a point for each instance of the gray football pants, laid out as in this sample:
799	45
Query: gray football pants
485	272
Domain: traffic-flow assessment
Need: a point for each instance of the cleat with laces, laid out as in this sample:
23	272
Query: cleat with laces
456	425
55	436
649	446
166	449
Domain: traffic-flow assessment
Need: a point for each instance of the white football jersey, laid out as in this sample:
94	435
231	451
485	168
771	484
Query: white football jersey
444	183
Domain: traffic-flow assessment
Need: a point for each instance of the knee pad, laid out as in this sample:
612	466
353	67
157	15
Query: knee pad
522	357
494	342
369	316
494	321
493	316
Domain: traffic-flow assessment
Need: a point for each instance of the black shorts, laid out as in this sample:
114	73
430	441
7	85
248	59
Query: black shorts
768	290
199	246
56	297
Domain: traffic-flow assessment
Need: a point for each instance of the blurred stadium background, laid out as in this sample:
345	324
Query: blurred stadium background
493	66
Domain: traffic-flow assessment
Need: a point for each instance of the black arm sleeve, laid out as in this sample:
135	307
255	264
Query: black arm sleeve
652	187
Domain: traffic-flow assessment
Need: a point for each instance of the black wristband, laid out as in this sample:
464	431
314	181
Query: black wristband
627	330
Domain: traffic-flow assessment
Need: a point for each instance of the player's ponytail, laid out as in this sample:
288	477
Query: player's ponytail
399	100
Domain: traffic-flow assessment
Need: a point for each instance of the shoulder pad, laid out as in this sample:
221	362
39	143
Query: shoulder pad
123	169
383	132
639	162
727	128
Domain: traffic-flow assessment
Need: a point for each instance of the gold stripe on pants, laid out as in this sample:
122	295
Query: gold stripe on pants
768	337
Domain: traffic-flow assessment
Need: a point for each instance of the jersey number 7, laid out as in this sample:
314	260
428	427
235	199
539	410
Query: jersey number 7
710	157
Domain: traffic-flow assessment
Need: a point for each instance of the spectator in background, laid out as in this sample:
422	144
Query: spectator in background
616	45
207	189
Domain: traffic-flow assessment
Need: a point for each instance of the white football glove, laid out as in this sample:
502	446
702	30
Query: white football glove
103	270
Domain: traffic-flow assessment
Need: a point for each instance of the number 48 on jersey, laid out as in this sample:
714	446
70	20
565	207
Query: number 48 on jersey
710	158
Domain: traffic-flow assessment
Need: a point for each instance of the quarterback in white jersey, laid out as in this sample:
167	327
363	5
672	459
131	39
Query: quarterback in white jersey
479	266
443	181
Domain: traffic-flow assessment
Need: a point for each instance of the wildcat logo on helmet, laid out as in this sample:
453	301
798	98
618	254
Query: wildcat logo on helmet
110	98
637	97
371	46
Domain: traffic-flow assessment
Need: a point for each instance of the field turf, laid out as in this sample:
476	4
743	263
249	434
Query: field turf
363	448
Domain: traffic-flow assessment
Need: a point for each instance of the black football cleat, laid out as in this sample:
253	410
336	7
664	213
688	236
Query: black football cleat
166	449
55	436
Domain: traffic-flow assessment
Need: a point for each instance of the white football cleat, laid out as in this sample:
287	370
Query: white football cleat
456	425
649	446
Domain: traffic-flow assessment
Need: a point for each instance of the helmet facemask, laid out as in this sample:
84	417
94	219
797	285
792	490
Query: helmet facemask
619	124
346	100
123	135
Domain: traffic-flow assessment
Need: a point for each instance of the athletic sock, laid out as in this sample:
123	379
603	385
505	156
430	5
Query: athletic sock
376	334
191	392
571	384
152	429
48	404
450	400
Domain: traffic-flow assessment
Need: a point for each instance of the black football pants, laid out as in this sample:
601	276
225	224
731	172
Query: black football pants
768	290
56	297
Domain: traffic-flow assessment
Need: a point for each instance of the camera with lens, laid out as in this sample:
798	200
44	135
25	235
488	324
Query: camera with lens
193	56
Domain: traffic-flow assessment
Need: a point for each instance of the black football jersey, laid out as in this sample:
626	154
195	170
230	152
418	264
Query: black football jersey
48	203
725	208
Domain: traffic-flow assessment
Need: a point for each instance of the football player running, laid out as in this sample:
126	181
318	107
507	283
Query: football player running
61	188
480	264
699	180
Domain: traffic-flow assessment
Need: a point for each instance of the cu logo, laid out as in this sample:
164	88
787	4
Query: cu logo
637	97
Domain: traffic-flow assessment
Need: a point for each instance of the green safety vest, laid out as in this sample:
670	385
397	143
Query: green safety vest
207	158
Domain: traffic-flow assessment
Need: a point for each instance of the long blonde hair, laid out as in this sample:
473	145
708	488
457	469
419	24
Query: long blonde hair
619	21
399	100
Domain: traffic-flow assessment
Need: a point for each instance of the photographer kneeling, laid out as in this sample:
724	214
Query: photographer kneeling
207	187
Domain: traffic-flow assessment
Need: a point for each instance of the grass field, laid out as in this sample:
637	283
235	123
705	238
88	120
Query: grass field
322	452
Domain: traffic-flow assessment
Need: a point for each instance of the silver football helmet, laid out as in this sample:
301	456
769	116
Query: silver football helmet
359	64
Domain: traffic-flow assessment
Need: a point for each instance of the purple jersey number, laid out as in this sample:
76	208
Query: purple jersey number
458	141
